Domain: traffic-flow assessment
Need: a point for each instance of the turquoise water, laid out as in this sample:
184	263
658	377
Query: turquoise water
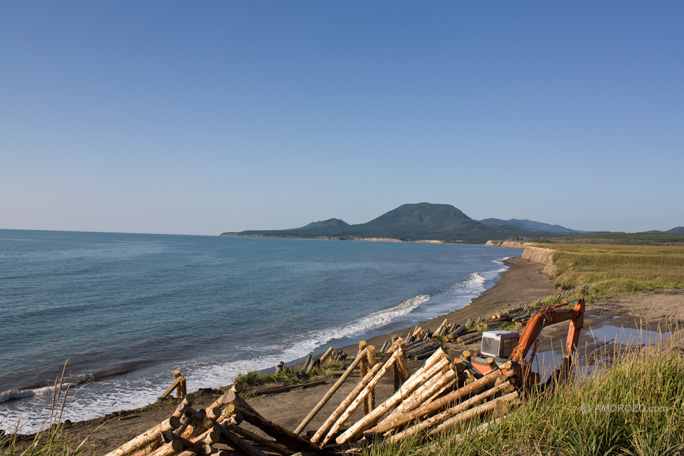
127	309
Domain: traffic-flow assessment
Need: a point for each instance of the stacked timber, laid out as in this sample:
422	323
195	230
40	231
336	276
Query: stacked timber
189	431
436	397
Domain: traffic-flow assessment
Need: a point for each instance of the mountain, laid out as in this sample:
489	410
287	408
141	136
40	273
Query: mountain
531	225
409	222
330	223
678	230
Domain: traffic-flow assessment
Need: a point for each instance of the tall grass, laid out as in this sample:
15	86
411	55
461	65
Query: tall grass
52	440
635	408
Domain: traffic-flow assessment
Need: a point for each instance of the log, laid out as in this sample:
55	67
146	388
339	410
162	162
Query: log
272	445
170	389
441	403
433	365
363	367
239	445
477	411
328	395
370	400
467	356
324	356
147	438
458	331
452	411
359	397
424	392
282	435
280	389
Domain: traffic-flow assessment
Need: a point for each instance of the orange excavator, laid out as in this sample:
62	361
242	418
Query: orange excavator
499	347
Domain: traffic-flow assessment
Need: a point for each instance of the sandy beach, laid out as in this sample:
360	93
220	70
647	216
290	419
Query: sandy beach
522	284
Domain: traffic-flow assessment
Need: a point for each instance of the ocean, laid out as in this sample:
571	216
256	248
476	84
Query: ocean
125	310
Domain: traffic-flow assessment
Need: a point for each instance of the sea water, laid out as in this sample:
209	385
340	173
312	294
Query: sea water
125	310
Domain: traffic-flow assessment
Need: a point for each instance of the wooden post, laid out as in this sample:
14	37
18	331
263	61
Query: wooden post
364	369
370	356
329	394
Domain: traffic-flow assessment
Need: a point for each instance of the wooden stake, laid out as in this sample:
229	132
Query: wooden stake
324	356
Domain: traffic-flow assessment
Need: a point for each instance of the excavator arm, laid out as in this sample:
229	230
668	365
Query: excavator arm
548	316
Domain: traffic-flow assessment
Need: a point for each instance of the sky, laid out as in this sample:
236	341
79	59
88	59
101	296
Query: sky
204	117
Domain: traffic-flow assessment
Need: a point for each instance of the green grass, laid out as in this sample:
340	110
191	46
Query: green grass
634	408
609	270
288	376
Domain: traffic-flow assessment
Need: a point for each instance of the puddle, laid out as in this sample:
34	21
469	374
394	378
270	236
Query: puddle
546	363
627	336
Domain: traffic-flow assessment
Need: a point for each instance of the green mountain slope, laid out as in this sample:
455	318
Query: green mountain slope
409	222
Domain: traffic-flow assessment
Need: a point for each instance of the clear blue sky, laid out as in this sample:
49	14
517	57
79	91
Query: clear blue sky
204	117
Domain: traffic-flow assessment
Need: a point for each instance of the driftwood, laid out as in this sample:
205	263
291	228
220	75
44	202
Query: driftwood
280	389
226	435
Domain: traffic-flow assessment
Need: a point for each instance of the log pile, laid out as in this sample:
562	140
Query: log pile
438	396
216	429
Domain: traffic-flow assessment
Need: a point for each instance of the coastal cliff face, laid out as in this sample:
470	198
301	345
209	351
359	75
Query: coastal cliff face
541	256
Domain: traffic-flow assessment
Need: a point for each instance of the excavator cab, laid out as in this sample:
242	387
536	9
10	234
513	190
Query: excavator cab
499	344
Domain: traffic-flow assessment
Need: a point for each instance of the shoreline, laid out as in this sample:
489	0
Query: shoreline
522	283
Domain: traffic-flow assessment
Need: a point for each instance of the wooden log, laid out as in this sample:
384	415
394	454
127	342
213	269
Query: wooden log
147	438
226	435
309	360
385	346
282	435
363	367
170	389
467	356
270	444
329	394
435	420
280	389
492	363
423	392
441	403
370	400
324	357
433	365
457	331
477	411
357	397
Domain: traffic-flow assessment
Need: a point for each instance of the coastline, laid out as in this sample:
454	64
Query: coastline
521	284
